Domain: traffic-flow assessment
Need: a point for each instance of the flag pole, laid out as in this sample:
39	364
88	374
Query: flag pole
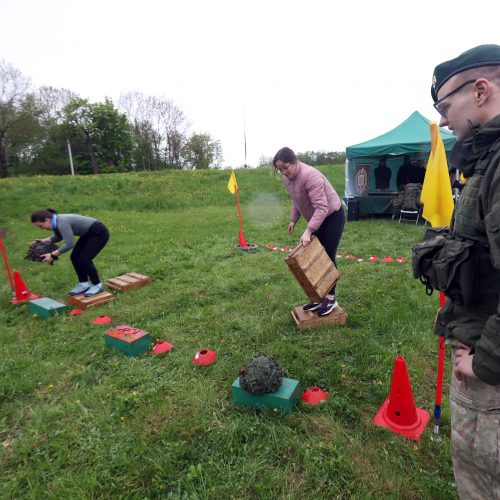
2	248
241	236
437	199
440	374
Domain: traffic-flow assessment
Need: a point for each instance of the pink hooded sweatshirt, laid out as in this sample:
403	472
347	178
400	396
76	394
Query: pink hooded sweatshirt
312	195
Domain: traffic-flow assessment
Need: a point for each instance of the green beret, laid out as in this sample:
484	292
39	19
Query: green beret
482	55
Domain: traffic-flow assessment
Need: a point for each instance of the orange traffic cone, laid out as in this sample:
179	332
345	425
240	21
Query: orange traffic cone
398	412
22	292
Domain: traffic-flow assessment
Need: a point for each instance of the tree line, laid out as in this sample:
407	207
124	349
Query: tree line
42	128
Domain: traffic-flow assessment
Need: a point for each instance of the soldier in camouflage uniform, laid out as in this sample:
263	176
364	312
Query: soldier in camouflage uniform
466	93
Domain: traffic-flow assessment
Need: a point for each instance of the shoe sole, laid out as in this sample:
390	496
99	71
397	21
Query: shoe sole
314	308
72	294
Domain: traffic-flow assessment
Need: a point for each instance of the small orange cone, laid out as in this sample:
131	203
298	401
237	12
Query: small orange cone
22	292
398	412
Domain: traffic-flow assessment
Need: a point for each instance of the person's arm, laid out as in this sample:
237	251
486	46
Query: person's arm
317	197
64	228
294	214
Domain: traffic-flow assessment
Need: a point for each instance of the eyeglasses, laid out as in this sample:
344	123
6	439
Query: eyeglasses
437	105
286	166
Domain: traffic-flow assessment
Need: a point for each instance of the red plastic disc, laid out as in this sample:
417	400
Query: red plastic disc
75	312
350	256
388	259
373	258
204	357
102	320
314	396
401	260
161	347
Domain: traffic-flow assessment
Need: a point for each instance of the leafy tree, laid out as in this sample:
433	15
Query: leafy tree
14	87
101	135
201	151
49	143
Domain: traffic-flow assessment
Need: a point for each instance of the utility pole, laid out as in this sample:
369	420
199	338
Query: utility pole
70	158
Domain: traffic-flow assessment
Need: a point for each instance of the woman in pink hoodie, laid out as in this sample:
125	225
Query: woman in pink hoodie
313	198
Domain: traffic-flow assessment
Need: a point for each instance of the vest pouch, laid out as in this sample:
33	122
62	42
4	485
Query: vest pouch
423	255
454	270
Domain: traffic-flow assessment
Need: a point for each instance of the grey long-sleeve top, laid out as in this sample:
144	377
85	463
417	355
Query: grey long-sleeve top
68	226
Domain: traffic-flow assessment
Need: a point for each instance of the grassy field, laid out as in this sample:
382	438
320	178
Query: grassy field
78	420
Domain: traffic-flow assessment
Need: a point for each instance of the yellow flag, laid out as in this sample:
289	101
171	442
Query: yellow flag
437	197
232	185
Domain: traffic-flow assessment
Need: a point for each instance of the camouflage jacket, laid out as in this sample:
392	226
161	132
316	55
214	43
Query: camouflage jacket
477	218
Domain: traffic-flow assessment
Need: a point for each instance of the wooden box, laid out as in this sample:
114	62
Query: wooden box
314	270
127	281
309	319
284	399
45	307
85	302
127	339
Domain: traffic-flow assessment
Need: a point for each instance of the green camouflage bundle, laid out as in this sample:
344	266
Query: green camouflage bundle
38	248
262	375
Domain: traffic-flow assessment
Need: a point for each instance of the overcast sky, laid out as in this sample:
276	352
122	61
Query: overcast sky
311	75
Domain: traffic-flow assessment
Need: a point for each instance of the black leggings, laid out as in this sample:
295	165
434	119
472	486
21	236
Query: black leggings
86	248
329	234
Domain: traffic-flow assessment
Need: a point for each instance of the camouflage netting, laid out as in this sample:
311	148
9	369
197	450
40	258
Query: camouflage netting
262	375
38	248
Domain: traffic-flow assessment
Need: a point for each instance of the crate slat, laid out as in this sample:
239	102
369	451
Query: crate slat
85	302
127	281
309	319
313	269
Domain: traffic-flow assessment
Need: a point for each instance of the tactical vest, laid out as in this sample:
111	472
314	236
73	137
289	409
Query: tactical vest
468	225
466	221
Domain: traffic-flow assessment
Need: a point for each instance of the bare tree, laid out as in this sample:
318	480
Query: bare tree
14	87
164	123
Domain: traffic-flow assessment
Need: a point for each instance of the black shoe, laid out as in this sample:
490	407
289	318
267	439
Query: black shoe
327	306
312	306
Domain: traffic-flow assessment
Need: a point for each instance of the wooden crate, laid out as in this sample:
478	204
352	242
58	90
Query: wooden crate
127	281
310	319
314	270
85	302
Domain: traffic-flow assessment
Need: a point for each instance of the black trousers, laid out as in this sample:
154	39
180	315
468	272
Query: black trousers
86	248
329	234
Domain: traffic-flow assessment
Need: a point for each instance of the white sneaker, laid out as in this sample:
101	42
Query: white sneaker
94	290
80	288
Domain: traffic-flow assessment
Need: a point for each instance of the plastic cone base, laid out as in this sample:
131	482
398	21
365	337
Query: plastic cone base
314	396
161	347
102	320
398	412
204	357
76	312
247	248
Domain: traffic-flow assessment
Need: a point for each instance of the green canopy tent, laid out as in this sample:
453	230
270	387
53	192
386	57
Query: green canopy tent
410	141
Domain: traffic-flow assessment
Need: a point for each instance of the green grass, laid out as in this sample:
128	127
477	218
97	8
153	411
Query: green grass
78	420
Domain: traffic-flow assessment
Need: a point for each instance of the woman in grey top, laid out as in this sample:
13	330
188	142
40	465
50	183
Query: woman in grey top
93	236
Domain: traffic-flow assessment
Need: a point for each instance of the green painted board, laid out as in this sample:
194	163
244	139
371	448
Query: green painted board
45	307
129	348
284	399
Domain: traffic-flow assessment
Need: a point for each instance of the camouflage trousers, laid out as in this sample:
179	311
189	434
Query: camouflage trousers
475	438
